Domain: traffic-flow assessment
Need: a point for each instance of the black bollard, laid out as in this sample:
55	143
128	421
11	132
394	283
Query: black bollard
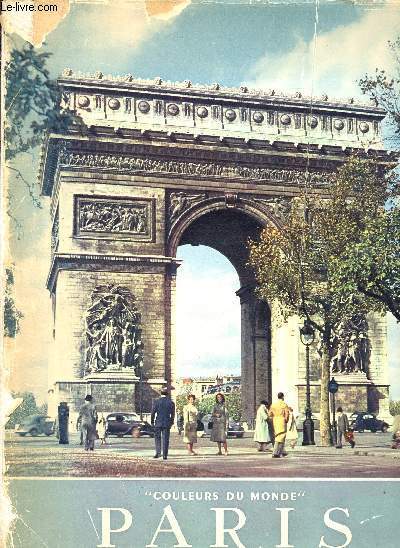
63	417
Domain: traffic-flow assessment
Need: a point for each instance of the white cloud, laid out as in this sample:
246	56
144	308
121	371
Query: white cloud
343	55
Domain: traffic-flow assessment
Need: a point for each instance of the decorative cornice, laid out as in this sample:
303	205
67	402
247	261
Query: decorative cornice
71	261
130	82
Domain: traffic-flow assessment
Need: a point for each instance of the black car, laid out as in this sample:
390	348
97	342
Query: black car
235	430
127	424
35	425
367	421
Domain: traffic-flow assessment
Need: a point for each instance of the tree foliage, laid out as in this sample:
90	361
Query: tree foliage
233	403
182	398
32	108
394	407
12	315
32	101
307	266
384	89
27	407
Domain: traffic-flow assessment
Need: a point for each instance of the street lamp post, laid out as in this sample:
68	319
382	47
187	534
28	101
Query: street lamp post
333	387
307	336
141	389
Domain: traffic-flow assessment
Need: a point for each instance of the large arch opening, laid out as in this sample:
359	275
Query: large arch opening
245	326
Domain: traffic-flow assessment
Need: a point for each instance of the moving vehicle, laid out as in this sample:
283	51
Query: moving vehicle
35	425
127	424
367	421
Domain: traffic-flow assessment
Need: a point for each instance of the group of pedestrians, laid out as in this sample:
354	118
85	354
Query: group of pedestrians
218	424
275	424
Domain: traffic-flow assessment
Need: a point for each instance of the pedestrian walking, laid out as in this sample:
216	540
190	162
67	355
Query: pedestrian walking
261	432
162	418
291	430
343	429
220	421
279	413
87	420
190	415
102	429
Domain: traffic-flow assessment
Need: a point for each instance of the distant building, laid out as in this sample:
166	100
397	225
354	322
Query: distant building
201	386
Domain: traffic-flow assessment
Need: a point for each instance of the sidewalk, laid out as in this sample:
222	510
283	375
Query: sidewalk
133	457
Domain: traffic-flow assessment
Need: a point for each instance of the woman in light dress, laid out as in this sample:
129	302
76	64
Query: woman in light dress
190	415
220	421
261	432
101	429
291	432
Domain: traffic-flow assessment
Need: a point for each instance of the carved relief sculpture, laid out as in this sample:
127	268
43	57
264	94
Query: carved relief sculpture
351	347
113	333
102	215
180	202
55	232
133	164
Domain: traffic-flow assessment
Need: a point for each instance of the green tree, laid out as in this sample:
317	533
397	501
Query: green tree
296	266
182	398
12	315
32	108
384	90
27	407
376	268
233	403
371	266
394	407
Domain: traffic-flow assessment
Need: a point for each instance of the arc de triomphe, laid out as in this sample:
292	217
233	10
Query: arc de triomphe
156	165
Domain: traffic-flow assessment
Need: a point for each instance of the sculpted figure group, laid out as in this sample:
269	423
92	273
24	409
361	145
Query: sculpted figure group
102	217
351	348
112	331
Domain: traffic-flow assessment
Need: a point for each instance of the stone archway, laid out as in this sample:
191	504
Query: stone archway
227	229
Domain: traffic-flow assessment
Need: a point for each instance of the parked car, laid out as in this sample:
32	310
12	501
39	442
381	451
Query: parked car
235	430
35	425
367	421
124	424
301	418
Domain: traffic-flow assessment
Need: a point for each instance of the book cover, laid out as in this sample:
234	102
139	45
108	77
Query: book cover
153	392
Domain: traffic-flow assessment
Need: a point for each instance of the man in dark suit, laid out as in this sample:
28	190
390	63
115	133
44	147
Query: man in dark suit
162	418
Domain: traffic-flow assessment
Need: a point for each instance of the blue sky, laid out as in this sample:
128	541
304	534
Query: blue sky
269	46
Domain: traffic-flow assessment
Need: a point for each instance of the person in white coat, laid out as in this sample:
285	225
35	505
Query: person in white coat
291	430
261	433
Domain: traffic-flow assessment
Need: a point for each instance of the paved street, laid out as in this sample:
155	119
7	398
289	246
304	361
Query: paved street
132	457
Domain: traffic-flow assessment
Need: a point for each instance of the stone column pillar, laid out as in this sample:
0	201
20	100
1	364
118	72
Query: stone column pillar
255	351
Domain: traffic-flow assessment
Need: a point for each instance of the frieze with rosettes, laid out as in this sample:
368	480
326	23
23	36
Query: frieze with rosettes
133	164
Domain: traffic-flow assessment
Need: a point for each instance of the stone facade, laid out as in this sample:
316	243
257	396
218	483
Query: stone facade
154	165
